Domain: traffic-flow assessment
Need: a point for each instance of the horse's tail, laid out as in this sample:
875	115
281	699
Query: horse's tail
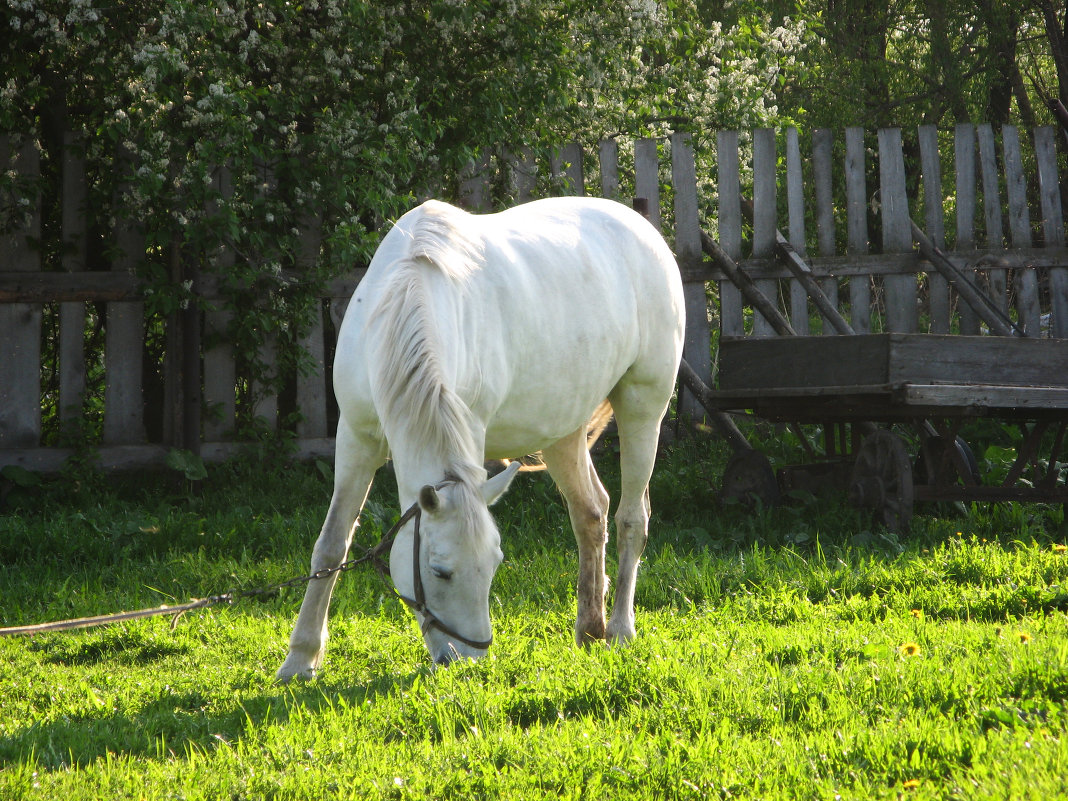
602	416
600	419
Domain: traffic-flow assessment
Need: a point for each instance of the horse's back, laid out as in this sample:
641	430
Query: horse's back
590	297
564	298
588	271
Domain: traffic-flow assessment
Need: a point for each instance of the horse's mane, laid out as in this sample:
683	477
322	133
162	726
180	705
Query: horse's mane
411	388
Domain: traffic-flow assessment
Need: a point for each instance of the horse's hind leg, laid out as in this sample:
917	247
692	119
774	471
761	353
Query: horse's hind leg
638	415
569	463
355	464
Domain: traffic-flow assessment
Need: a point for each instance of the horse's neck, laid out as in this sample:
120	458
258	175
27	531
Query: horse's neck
416	465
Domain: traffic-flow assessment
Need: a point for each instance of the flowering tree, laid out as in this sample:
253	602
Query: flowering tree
347	109
235	125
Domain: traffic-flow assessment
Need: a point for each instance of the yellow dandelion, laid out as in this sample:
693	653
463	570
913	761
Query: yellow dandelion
909	649
1059	548
1025	637
916	613
960	533
911	784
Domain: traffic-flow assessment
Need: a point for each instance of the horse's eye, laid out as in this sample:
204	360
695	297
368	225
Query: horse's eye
441	573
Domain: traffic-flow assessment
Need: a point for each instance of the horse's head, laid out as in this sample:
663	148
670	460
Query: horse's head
443	562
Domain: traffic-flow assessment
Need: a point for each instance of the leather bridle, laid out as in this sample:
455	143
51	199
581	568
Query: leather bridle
418	603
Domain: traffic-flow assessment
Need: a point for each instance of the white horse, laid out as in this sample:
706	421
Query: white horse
476	337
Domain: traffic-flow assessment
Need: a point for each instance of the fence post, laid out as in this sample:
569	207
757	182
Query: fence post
264	387
311	386
124	404
900	290
1052	225
857	228
732	317
181	366
192	385
697	343
608	159
647	176
937	285
522	174
475	184
795	210
822	176
566	169
1026	279
964	162
74	196
765	218
220	372
20	323
995	235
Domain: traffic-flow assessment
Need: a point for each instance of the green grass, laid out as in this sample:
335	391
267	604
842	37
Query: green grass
769	662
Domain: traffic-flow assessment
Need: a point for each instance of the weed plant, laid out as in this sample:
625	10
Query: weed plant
795	652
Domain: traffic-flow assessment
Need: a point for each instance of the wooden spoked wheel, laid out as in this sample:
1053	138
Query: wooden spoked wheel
942	463
882	479
749	478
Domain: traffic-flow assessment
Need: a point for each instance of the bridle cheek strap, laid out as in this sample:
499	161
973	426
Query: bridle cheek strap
418	604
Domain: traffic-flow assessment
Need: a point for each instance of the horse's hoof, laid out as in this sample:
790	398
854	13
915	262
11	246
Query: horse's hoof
587	636
621	636
288	672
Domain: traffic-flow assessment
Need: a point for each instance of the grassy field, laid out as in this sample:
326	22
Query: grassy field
799	652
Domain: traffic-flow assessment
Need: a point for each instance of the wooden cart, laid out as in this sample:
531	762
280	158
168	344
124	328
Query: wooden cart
931	383
1003	294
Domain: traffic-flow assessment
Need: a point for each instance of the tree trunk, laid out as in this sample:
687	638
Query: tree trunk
1057	34
944	67
1003	25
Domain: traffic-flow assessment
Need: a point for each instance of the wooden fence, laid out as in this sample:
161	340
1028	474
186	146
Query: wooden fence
848	202
1008	238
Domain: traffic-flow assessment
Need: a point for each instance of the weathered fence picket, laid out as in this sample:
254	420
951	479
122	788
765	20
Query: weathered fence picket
732	319
688	253
72	315
836	203
938	297
964	155
20	323
1052	225
857	227
124	404
220	370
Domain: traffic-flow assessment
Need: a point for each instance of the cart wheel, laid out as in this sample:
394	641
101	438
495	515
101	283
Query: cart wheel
748	478
882	479
963	465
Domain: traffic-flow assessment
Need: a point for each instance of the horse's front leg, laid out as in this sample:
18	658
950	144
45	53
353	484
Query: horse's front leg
569	464
355	464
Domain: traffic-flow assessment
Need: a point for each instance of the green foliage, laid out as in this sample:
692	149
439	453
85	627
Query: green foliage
262	146
903	64
187	464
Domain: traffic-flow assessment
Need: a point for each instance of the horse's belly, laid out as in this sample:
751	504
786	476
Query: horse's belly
514	440
539	414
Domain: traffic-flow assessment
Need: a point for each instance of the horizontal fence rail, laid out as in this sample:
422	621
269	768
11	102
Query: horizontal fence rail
834	210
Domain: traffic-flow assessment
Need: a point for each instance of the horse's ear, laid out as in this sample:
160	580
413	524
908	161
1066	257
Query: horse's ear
429	500
495	487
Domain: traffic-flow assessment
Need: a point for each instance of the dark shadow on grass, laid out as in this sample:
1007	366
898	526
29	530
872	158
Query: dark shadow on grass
175	725
125	647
